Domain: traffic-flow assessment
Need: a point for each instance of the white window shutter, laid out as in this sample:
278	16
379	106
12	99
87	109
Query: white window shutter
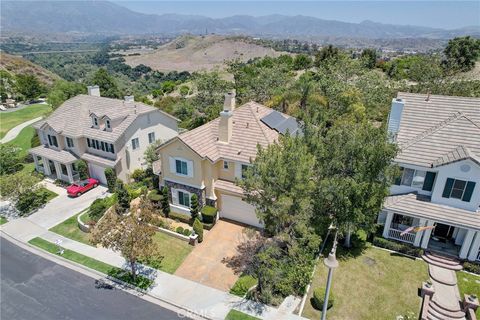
172	164
238	170
174	195
190	168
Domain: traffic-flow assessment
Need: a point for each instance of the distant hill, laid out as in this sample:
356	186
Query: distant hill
106	17
194	53
17	65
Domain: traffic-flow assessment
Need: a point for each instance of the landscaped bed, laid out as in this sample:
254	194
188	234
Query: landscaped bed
375	284
469	284
237	315
141	282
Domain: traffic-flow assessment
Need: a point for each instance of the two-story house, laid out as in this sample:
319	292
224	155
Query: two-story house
439	185
105	132
207	160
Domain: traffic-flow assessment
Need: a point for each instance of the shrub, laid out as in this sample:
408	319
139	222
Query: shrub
243	284
31	200
187	232
194	207
319	296
82	169
209	214
396	246
179	230
184	90
198	228
97	209
165	202
471	267
154	196
138	175
123	198
111	179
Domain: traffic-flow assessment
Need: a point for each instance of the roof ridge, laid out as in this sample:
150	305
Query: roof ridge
466	151
258	120
433	129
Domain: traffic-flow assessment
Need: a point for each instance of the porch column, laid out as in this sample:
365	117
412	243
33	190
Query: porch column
58	169
388	223
475	247
46	166
418	235
426	235
69	172
35	159
467	242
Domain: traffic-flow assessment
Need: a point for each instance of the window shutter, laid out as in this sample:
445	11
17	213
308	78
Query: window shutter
467	195
448	188
429	179
172	165
190	168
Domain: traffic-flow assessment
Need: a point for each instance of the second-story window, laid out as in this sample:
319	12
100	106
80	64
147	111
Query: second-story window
181	167
244	171
151	137
107	124
135	144
416	178
225	165
94	121
52	140
458	189
70	142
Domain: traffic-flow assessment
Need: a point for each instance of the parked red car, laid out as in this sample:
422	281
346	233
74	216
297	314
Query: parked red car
77	189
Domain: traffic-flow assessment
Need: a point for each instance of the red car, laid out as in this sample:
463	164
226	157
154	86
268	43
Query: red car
77	189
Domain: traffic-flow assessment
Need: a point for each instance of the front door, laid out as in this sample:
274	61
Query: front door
443	231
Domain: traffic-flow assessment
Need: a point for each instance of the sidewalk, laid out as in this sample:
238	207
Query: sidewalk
200	299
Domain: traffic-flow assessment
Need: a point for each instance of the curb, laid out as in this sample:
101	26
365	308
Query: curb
101	277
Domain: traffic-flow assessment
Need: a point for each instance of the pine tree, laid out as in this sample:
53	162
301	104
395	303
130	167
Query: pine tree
165	203
123	198
198	228
194	207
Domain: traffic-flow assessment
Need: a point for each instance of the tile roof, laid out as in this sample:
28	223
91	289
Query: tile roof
248	131
420	207
99	160
61	156
228	186
72	118
431	132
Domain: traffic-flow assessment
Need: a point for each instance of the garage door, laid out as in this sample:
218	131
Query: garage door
97	172
234	208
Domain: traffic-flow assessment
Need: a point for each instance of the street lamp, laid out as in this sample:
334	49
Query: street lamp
331	263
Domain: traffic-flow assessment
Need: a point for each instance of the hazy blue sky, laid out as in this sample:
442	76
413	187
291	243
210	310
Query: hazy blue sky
441	14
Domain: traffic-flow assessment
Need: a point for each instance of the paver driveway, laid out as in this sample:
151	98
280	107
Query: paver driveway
204	264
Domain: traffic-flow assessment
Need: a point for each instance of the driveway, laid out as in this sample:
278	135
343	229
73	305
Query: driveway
206	263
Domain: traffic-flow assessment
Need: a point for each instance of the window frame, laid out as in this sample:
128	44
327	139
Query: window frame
457	189
151	134
108	124
69	142
226	165
52	140
180	164
243	168
181	198
135	143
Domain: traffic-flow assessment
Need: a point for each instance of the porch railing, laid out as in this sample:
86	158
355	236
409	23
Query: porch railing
407	237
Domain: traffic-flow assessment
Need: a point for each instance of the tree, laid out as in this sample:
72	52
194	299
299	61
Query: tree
10	161
108	85
13	186
165	203
198	229
151	154
63	90
302	62
28	85
111	179
131	235
194	207
326	53
123	198
82	169
369	58
461	53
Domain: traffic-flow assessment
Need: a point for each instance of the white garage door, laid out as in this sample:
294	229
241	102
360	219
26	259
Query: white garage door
234	208
97	172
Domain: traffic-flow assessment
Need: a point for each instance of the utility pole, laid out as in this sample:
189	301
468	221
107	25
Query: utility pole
331	263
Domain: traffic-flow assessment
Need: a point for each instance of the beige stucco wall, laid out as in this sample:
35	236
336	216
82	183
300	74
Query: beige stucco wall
223	173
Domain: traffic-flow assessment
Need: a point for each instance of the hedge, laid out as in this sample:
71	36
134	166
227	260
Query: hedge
397	246
319	297
472	267
209	214
187	219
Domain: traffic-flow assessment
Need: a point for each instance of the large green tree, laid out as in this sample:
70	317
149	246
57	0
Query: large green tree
108	85
63	90
28	85
461	53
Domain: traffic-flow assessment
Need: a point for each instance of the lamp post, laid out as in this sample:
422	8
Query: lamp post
331	263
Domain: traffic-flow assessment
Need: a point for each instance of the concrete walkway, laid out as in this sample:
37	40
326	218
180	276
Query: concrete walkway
446	288
13	133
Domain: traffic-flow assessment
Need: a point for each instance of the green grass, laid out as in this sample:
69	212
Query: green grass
13	119
50	194
118	273
172	252
469	284
85	218
24	140
374	284
237	315
3	220
69	229
242	285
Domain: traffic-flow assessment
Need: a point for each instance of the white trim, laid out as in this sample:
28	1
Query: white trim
179	209
186	184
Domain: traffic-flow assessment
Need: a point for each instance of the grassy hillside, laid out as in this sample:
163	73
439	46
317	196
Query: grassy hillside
194	53
18	65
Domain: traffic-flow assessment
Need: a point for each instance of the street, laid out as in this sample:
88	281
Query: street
35	288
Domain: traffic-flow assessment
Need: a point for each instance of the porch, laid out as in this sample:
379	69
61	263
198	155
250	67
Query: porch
55	164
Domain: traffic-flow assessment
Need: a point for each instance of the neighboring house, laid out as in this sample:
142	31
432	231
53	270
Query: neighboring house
207	160
105	132
439	185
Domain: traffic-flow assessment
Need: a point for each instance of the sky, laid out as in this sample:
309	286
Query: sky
437	14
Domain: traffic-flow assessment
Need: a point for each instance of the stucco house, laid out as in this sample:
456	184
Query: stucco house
105	132
439	185
207	160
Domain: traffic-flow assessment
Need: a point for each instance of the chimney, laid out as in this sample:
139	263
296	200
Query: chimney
129	98
93	91
395	117
225	126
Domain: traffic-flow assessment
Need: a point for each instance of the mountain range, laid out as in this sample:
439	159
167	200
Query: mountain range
103	17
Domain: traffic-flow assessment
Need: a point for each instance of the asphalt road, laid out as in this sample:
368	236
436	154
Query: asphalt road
33	288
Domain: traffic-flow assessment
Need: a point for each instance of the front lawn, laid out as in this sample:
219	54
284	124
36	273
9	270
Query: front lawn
243	284
69	229
118	273
172	252
375	284
3	220
13	119
469	284
237	315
